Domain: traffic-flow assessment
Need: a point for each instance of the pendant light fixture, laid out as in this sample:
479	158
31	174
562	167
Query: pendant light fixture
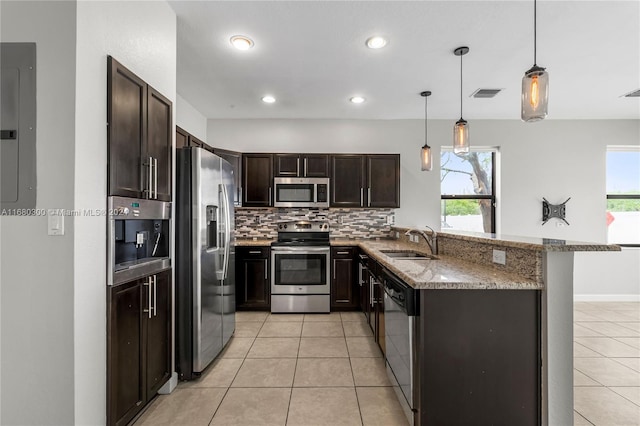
425	153
461	128
535	84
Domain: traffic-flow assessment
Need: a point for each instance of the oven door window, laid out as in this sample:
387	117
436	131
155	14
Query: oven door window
294	193
301	269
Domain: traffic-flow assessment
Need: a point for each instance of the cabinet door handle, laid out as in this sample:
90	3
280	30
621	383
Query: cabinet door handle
305	167
148	284
342	252
361	196
368	196
150	180
255	252
266	272
155	177
334	269
269	200
298	166
155	295
372	300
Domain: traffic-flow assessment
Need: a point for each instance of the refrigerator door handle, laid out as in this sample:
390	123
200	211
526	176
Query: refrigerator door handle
227	231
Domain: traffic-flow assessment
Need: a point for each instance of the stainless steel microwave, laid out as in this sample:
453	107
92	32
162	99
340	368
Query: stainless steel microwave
301	192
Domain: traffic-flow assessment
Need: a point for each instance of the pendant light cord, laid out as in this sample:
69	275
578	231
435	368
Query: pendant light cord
425	121
535	35
461	86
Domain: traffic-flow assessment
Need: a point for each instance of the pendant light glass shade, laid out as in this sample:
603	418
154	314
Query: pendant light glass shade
461	137
535	94
535	84
461	128
426	163
425	158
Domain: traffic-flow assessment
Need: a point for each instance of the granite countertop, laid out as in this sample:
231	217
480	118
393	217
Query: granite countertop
445	273
246	242
531	243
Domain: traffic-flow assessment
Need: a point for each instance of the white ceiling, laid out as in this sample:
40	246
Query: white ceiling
311	56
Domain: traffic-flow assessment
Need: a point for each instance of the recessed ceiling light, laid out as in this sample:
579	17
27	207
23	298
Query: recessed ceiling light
376	42
356	99
241	42
268	99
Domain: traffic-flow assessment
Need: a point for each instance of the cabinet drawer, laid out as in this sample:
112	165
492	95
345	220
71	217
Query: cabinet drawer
343	252
252	252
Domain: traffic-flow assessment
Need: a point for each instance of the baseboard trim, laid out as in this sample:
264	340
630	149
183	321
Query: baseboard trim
606	297
171	384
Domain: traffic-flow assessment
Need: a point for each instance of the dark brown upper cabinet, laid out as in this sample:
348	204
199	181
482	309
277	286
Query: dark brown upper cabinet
383	180
139	138
365	180
159	136
347	180
257	180
301	165
182	138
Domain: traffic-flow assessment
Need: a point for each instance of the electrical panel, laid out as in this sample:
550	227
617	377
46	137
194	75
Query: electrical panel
18	127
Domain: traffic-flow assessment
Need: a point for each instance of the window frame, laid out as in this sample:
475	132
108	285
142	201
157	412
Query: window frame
620	196
491	197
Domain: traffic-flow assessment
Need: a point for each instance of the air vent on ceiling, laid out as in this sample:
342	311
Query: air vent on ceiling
485	93
634	94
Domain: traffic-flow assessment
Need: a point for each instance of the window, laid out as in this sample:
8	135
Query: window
467	185
623	196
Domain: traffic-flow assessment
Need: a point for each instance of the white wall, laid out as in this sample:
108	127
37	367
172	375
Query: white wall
36	272
142	36
555	159
190	119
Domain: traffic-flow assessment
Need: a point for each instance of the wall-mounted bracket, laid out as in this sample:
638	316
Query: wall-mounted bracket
553	210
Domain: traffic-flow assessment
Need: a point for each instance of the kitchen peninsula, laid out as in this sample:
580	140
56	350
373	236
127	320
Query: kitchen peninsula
494	340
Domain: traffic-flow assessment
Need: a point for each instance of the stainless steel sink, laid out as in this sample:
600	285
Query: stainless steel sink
407	255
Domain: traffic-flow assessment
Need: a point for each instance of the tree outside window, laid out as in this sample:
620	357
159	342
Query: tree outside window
468	191
623	197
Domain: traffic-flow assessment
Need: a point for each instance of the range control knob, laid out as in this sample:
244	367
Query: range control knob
279	226
285	226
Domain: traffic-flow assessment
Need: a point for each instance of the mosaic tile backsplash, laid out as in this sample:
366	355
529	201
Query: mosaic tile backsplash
344	223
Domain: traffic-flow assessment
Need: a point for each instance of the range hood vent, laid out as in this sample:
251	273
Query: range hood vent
485	93
634	94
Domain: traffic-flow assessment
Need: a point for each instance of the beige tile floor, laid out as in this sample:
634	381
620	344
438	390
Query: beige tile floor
326	369
288	370
606	362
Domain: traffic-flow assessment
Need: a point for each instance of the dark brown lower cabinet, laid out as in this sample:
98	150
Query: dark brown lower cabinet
479	354
253	282
345	290
373	304
138	344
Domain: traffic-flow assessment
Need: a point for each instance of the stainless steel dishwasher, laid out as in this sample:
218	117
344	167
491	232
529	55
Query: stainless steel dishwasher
400	312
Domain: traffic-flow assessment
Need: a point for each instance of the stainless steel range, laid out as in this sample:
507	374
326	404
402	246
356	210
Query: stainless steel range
300	277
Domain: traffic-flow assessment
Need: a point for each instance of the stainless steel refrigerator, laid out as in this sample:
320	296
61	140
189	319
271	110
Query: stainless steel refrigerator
205	259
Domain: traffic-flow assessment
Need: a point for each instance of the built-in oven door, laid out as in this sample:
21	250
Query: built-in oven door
300	270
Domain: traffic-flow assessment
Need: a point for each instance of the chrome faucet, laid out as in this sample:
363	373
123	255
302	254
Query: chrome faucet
432	240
